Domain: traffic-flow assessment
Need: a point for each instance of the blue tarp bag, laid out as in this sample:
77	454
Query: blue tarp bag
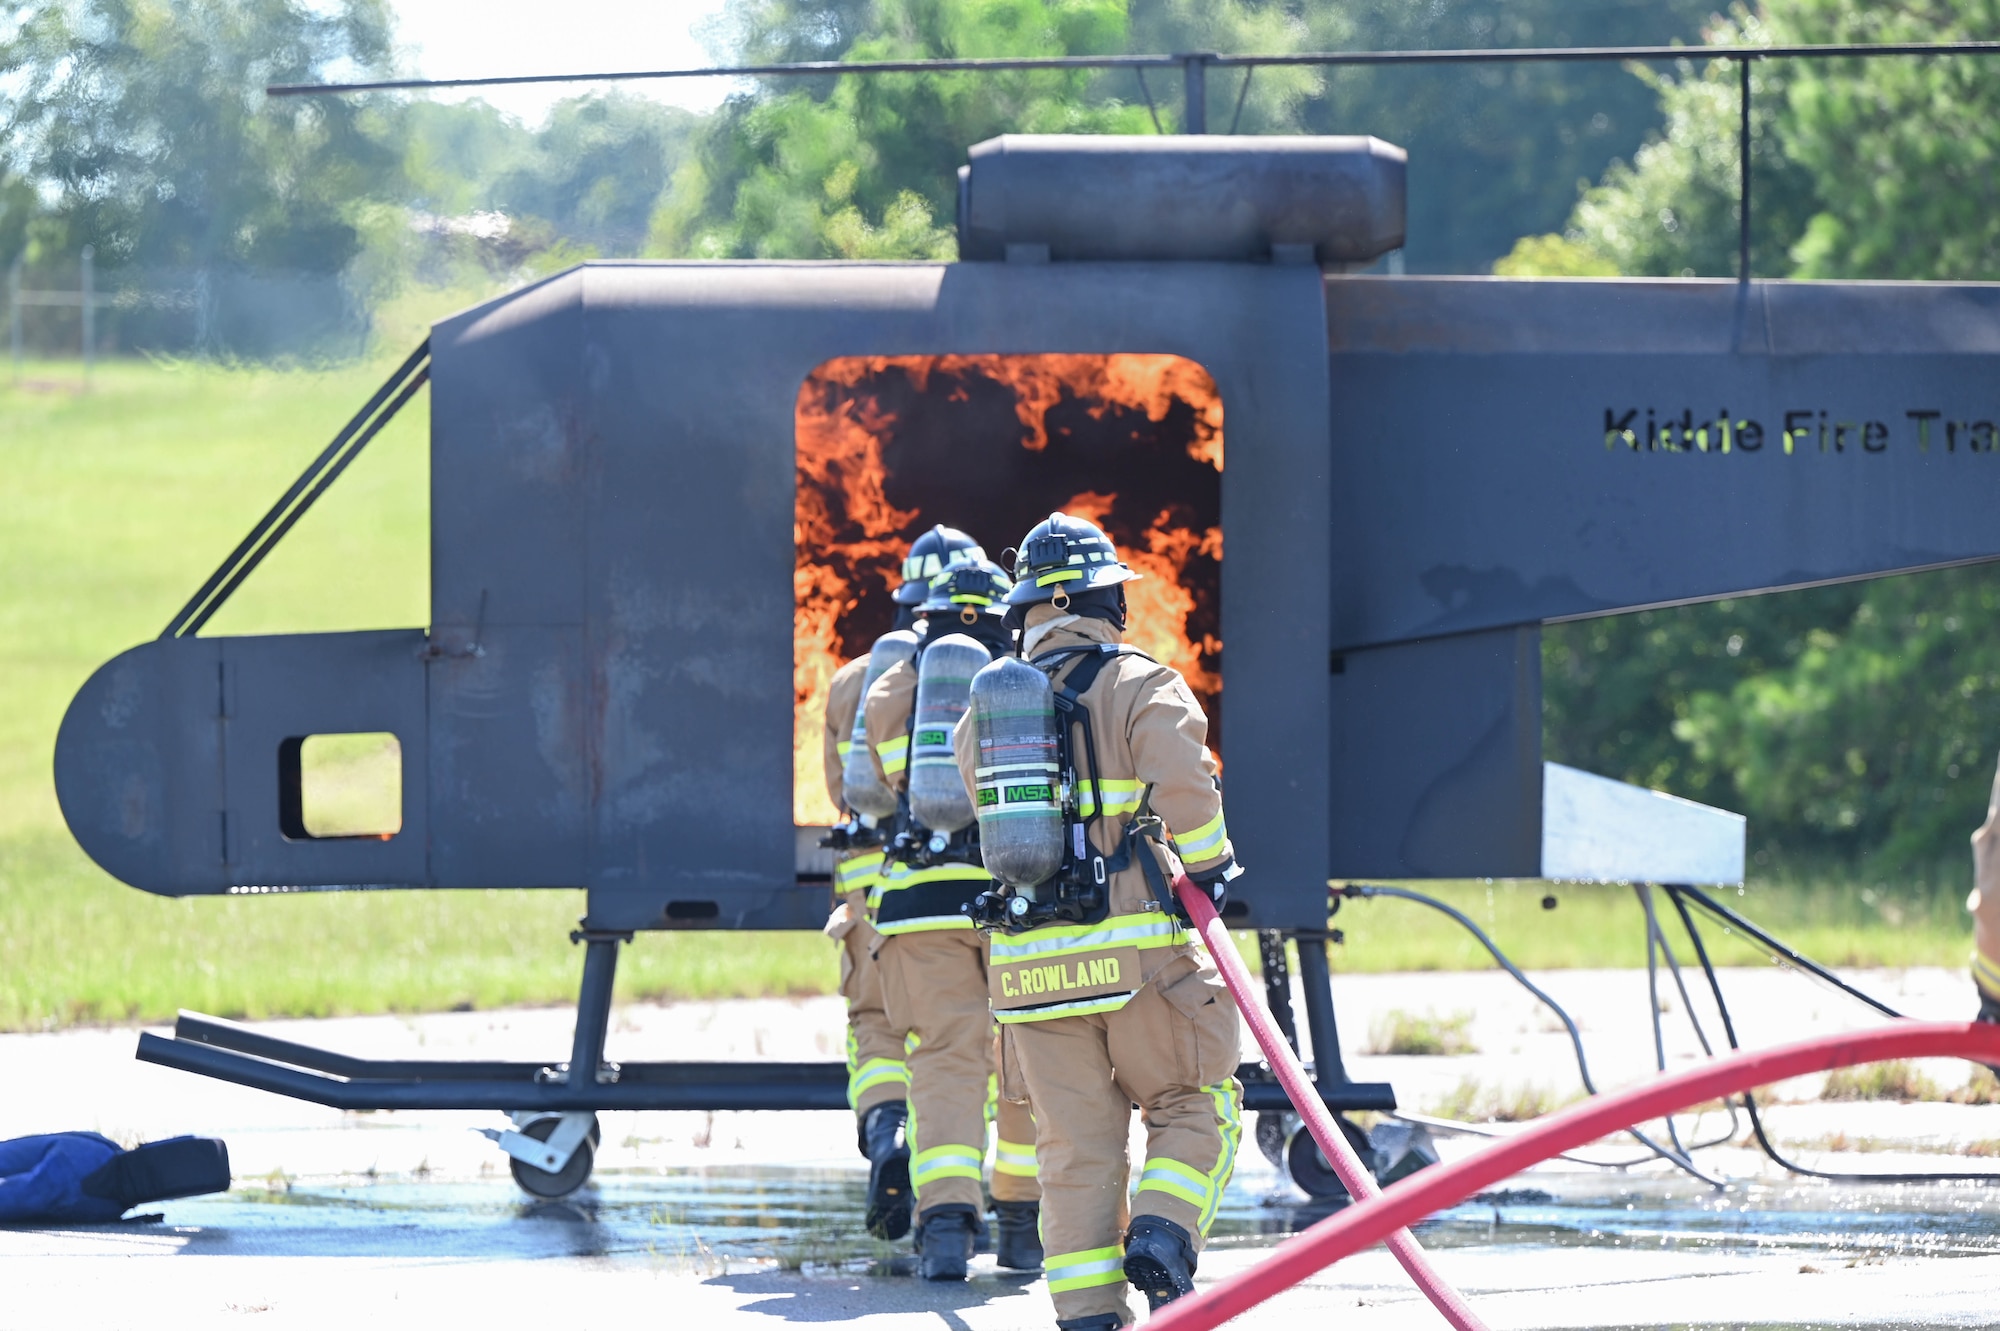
82	1178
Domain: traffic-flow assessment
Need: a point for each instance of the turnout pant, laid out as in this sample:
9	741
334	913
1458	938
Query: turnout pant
1172	1050
876	1073
1985	899
934	987
1016	1177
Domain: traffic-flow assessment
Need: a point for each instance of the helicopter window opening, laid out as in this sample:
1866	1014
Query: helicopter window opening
693	910
887	446
340	786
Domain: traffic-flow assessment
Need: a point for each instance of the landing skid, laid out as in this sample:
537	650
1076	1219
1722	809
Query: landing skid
554	1112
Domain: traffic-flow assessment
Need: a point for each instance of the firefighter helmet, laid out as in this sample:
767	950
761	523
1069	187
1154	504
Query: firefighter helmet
931	554
972	589
1064	555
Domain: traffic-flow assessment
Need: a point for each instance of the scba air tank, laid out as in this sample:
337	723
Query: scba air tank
859	785
1020	809
938	797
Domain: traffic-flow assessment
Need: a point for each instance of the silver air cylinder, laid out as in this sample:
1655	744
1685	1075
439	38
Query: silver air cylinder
859	785
938	798
1020	810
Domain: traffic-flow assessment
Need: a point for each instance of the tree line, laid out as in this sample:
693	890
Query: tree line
1854	725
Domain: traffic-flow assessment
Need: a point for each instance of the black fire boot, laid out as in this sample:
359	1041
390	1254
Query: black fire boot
1098	1322
1017	1235
945	1235
1159	1260
888	1169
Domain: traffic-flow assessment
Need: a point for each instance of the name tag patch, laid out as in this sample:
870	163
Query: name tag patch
1020	984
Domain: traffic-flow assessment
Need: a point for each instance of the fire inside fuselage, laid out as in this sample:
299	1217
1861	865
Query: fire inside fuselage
889	446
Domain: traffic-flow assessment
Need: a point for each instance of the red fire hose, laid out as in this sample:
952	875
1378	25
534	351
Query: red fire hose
1332	1143
1440	1186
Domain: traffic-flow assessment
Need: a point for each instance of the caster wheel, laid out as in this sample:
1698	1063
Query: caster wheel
551	1184
1273	1131
1310	1170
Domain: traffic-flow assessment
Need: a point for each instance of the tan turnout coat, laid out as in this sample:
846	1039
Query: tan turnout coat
1152	742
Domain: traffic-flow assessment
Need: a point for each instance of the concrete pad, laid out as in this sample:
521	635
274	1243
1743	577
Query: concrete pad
741	1219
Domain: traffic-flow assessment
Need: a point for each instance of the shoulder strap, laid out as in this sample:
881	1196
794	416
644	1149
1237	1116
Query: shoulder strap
1077	683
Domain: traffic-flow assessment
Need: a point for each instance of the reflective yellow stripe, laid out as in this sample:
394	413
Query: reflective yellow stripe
1060	575
875	1072
1986	974
1119	797
894	753
1081	1008
922	924
1082	1270
899	876
853	1065
841	746
1015	1158
1205	842
1148	929
943	1162
853	873
1176	1180
1228	1100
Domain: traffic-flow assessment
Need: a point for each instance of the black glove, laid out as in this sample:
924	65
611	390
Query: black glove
1214	884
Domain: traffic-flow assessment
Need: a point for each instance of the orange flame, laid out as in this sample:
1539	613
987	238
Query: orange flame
1158	604
850	537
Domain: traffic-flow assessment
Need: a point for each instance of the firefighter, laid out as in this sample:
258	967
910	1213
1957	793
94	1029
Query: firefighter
878	1079
1985	906
1103	1001
933	963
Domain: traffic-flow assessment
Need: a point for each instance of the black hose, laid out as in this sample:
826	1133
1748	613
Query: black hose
1575	1036
1674	893
1785	950
1687	1005
1656	942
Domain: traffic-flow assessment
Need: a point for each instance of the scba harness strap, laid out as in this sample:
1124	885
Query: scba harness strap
1089	864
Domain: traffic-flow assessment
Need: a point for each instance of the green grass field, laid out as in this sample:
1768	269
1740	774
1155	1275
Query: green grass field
116	503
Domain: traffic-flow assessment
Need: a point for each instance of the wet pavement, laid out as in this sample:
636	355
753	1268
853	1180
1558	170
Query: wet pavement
746	1245
747	1220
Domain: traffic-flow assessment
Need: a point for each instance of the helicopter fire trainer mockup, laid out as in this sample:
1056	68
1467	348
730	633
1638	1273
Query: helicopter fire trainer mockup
667	499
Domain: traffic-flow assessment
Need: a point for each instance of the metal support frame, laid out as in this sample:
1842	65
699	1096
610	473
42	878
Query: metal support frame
211	1047
593	1006
1743	169
1194	90
1317	980
1277	982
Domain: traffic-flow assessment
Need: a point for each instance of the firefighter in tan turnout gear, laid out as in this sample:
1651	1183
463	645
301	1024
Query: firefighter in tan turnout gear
1103	999
878	1079
1985	907
932	962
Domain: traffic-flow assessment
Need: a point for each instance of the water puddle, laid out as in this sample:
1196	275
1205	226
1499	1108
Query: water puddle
713	1220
